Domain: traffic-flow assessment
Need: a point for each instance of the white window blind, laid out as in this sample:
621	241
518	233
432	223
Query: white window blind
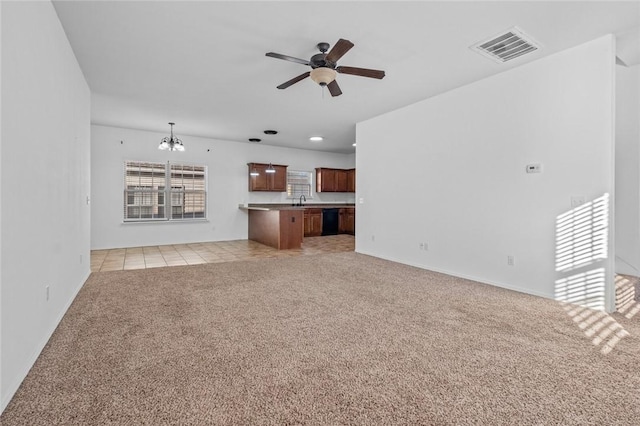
158	191
298	183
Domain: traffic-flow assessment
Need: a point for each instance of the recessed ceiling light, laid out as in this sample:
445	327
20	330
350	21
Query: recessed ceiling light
270	132
254	140
316	138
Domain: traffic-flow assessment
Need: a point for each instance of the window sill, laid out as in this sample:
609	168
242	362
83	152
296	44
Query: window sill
158	221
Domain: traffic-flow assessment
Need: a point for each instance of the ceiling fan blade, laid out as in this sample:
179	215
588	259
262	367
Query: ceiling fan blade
338	50
334	89
294	80
287	58
362	72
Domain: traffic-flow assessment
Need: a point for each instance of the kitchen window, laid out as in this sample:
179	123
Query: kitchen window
164	191
298	183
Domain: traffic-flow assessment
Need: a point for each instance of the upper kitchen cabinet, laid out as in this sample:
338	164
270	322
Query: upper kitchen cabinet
335	180
260	180
351	180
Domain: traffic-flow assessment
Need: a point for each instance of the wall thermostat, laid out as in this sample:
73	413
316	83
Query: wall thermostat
534	168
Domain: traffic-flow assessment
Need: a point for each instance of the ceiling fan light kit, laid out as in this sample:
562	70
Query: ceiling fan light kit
324	67
323	76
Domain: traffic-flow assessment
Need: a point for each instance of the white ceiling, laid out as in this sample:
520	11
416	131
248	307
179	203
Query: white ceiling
203	64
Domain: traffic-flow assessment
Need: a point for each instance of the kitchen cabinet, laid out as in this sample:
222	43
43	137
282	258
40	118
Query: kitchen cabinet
341	181
335	180
351	180
281	228
312	222
347	221
325	180
275	182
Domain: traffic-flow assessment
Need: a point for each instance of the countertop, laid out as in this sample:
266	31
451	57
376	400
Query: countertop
283	206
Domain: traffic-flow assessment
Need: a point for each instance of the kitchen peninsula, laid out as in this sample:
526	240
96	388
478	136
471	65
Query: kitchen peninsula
283	226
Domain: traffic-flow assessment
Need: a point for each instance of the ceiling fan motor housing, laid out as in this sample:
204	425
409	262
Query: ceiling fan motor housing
319	60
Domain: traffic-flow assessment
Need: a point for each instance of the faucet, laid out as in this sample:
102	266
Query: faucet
301	197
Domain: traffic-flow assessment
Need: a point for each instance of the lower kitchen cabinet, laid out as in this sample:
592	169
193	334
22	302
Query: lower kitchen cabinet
347	221
312	222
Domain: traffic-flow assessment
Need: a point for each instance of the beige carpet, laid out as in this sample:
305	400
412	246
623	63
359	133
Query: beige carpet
330	339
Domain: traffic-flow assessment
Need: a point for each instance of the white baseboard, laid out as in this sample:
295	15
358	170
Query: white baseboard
467	277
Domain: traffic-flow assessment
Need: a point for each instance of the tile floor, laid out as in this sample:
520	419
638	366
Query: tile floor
210	252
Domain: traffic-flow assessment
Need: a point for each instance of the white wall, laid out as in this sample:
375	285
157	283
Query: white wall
450	171
227	185
627	170
45	181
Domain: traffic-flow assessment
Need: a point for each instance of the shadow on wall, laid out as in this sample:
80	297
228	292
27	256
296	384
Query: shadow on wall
581	248
626	296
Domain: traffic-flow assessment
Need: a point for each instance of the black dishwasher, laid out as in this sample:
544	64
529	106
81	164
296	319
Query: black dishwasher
329	221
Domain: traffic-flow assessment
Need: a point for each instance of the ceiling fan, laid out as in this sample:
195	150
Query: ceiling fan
324	67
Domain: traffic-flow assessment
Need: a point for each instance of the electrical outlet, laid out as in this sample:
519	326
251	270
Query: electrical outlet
510	261
421	246
373	238
426	246
47	292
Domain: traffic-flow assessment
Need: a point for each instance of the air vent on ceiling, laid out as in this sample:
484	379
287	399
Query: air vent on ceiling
507	45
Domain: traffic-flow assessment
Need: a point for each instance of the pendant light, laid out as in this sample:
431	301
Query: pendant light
254	172
270	169
171	143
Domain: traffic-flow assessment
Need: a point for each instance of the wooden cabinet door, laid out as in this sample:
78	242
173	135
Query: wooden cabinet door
316	224
341	181
278	180
350	225
325	180
342	221
261	181
351	180
346	221
307	223
312	222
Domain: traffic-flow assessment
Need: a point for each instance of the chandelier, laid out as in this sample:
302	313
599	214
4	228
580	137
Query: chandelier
171	143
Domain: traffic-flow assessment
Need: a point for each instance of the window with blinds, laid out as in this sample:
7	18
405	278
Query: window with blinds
159	191
298	183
